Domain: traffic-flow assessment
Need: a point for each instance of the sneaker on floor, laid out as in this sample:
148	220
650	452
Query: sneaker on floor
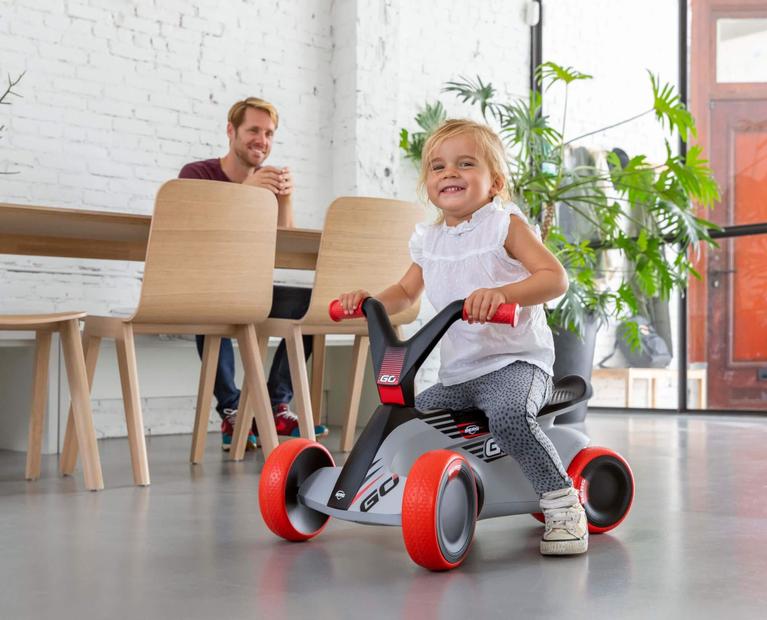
227	431
287	423
567	531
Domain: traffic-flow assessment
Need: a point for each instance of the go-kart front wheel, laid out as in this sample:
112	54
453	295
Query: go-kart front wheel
287	467
439	510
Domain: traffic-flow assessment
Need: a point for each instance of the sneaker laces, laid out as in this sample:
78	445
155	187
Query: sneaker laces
562	518
230	415
560	508
287	414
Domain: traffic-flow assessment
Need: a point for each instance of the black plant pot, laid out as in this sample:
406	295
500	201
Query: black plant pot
575	356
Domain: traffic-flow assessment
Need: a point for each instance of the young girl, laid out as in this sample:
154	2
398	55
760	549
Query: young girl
483	249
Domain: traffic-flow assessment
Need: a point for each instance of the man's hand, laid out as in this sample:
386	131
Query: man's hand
277	180
483	303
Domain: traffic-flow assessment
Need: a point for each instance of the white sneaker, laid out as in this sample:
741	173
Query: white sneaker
567	531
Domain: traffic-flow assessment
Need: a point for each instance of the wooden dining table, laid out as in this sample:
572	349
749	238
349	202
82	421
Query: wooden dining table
75	233
30	230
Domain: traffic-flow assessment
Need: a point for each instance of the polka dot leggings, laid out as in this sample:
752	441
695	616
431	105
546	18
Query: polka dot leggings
511	398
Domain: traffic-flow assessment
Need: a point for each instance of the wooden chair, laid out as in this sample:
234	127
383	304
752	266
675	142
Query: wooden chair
209	268
67	324
364	245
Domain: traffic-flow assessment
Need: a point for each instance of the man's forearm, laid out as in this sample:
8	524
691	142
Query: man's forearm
285	211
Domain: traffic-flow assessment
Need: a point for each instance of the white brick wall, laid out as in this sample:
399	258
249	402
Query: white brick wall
118	95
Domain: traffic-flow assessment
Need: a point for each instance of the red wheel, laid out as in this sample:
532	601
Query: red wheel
439	510
605	485
284	471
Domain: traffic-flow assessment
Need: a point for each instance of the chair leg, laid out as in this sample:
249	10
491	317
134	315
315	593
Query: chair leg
318	375
81	404
126	360
39	399
263	346
359	359
245	411
241	425
300	379
68	461
256	382
210	351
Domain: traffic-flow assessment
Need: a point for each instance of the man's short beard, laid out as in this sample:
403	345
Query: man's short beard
242	156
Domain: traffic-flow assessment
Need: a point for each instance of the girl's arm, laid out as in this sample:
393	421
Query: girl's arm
396	298
547	280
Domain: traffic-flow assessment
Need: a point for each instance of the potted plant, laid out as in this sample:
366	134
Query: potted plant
631	210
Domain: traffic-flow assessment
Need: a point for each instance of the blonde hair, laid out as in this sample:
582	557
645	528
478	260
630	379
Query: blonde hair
237	111
489	146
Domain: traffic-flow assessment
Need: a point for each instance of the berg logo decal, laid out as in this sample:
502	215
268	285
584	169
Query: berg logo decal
471	430
491	448
372	499
340	495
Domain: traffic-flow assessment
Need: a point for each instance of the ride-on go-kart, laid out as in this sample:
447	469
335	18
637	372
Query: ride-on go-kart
432	472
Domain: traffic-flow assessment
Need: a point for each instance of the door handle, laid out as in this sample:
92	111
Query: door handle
714	274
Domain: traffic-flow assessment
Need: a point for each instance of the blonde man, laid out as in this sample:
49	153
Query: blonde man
251	125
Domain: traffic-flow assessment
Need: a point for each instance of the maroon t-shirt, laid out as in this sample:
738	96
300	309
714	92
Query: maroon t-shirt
209	169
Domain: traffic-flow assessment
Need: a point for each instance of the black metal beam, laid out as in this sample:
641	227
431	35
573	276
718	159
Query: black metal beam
536	49
681	401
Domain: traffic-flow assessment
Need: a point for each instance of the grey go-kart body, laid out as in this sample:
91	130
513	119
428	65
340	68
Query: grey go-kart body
369	487
502	487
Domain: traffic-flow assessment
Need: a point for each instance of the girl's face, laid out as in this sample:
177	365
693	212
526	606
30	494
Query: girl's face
459	180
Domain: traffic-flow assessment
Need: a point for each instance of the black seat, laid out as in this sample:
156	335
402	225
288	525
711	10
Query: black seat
568	391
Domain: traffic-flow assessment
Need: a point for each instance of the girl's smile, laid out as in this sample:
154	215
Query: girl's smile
459	181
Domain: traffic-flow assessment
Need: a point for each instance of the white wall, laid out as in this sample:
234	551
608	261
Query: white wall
119	94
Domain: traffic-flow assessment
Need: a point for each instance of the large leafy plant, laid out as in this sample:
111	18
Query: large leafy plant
641	210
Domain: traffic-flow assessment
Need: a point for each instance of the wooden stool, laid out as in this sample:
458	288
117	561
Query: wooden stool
68	326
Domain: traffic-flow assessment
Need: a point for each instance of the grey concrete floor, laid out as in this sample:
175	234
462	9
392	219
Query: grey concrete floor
193	544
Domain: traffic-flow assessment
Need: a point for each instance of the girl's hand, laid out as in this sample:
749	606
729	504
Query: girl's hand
350	301
483	303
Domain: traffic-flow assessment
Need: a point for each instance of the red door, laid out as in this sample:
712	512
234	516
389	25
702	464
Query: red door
727	309
737	271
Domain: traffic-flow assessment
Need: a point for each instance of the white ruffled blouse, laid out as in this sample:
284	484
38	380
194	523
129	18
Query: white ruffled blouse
457	260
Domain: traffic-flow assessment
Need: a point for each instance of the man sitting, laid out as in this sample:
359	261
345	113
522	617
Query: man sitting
250	129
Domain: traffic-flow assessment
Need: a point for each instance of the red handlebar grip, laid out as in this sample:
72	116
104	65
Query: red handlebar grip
506	313
336	312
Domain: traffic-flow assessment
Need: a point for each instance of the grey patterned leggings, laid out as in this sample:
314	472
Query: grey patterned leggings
511	398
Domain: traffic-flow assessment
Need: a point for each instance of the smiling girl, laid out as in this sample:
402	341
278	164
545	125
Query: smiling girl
482	248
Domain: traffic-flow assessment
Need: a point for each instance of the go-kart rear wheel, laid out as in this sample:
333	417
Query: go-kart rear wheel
439	510
287	467
605	485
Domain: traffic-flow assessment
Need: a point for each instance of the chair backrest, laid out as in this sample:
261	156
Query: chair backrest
210	256
364	245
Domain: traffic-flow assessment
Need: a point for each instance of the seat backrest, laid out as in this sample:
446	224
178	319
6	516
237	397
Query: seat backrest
364	245
210	256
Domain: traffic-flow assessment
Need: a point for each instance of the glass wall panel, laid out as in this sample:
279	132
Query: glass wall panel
594	38
741	50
